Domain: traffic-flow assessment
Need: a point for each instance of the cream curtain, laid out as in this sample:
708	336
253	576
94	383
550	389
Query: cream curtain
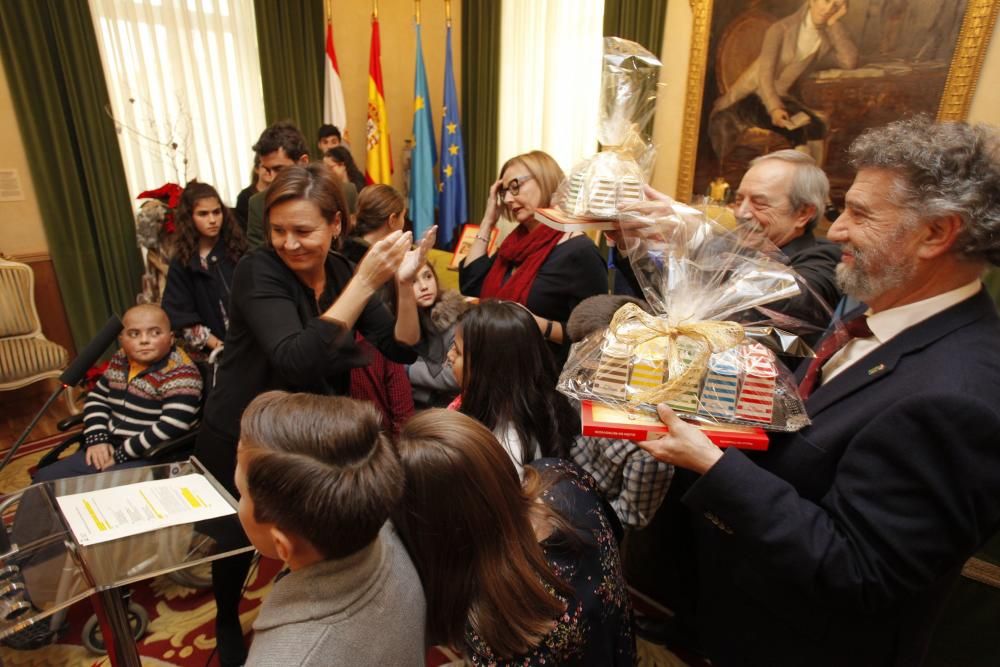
185	88
550	75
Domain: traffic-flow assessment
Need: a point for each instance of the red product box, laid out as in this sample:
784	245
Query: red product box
602	421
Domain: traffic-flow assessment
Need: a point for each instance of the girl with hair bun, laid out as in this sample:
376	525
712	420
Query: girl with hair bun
381	211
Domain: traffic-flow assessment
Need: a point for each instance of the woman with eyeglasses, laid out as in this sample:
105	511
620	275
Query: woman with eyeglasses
546	270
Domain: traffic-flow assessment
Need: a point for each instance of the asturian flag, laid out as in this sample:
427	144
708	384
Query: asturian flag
378	168
334	109
454	207
424	155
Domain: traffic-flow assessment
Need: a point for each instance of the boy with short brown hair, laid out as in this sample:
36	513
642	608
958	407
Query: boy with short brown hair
317	479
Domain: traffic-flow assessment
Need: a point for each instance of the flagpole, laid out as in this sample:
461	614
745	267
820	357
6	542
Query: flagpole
416	10
374	10
447	13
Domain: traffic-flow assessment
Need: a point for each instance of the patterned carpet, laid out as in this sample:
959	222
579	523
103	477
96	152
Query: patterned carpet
180	632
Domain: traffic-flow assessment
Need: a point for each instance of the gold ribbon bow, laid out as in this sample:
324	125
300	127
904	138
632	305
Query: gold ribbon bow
633	145
633	326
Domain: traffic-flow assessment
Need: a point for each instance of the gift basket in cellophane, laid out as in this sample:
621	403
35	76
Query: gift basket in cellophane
703	350
601	185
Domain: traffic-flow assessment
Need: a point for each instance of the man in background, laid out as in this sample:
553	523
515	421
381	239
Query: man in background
784	194
327	137
280	145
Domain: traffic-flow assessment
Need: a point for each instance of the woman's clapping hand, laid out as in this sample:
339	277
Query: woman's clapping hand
415	258
384	258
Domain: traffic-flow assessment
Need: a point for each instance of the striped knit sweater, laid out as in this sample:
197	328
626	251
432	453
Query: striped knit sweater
161	403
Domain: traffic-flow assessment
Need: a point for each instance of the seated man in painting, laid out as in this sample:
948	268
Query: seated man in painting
762	96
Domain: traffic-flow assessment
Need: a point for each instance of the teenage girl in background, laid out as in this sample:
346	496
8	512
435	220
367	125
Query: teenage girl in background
434	383
340	160
508	380
381	211
209	244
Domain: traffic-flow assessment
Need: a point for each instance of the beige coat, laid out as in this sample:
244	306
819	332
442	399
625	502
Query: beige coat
777	68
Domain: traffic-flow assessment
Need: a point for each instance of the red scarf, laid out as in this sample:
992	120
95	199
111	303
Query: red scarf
525	251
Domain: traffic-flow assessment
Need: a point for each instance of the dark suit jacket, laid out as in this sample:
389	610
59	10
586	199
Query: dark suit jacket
839	544
815	260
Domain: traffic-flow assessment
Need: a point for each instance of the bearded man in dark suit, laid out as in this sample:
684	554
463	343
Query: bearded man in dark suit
838	546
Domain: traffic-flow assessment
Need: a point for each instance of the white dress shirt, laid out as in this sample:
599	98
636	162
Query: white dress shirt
889	323
809	39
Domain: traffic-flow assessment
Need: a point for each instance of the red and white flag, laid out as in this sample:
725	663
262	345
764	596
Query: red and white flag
334	110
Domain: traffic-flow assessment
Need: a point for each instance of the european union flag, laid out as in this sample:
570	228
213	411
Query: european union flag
424	154
454	207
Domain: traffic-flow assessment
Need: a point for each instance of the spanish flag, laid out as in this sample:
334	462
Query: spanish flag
378	168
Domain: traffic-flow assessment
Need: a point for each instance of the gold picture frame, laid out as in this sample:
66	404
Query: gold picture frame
962	75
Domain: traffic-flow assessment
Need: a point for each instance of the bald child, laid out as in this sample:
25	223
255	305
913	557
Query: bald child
150	393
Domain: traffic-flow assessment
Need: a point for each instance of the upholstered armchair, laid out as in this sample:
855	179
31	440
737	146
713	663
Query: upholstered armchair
26	356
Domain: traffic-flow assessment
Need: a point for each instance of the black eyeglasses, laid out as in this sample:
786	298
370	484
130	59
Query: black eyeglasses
513	187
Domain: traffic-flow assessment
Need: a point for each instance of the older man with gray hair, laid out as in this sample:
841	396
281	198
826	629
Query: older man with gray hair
839	545
784	195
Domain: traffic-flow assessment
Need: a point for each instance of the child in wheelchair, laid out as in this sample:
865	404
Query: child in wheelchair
150	393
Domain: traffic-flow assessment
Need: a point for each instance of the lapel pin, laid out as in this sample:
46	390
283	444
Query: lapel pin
876	369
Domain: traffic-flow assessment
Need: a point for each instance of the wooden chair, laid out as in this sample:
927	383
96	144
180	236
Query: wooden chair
26	355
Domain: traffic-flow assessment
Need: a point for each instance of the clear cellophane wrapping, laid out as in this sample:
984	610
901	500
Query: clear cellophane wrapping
601	185
698	351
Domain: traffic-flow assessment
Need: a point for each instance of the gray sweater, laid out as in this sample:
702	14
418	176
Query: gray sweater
366	609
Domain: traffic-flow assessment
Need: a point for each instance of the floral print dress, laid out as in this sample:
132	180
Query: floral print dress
596	628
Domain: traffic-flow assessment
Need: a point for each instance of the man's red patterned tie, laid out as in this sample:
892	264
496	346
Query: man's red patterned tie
856	327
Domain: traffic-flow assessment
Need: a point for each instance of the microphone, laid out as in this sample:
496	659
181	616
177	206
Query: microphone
90	354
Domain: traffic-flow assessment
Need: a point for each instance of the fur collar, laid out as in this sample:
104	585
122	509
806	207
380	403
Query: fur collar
448	308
